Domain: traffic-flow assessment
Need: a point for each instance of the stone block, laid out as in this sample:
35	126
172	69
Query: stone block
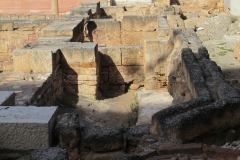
132	56
7	98
36	58
6	25
86	90
3	47
136	38
126	74
110	56
27	128
102	139
62	27
139	23
113	33
84	53
156	53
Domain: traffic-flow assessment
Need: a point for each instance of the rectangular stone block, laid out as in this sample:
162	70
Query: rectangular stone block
113	33
126	74
87	90
7	98
136	38
27	128
83	53
139	23
132	55
110	56
34	59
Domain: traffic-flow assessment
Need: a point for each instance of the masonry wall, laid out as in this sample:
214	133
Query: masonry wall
16	34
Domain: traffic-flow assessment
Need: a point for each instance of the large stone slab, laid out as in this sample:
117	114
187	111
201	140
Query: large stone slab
25	128
36	58
150	102
7	98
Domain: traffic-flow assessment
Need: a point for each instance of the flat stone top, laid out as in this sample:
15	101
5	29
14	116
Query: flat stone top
4	95
28	114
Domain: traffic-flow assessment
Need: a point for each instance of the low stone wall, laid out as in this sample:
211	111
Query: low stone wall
15	35
31	17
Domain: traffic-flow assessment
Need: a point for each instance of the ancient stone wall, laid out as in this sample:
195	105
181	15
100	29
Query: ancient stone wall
16	34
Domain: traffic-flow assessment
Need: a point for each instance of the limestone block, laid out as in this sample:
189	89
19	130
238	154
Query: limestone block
132	55
6	25
160	3
35	58
86	90
3	47
110	56
7	98
156	53
113	33
126	74
237	51
87	77
68	130
26	128
139	23
136	38
84	53
102	139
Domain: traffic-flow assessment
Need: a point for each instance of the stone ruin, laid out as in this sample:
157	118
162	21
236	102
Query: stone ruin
97	49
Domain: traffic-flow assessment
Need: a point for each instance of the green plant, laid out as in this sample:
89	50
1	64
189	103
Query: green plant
214	55
223	43
222	53
230	50
232	64
134	105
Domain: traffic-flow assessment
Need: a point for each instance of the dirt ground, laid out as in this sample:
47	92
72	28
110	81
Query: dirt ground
222	52
113	110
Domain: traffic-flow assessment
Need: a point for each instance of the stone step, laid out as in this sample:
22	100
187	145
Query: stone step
36	58
81	12
47	40
7	98
66	27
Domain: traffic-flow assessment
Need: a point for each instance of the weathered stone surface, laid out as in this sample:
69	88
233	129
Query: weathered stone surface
175	149
132	55
237	51
139	23
126	74
188	120
110	56
134	86
36	58
134	134
82	53
102	139
68	130
132	38
26	128
49	153
126	157
6	26
150	102
220	153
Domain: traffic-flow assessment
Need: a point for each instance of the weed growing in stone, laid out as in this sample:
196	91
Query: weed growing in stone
230	50
223	43
232	64
214	55
134	105
222	53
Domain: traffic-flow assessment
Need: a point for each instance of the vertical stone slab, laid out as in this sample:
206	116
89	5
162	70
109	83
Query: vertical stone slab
234	7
